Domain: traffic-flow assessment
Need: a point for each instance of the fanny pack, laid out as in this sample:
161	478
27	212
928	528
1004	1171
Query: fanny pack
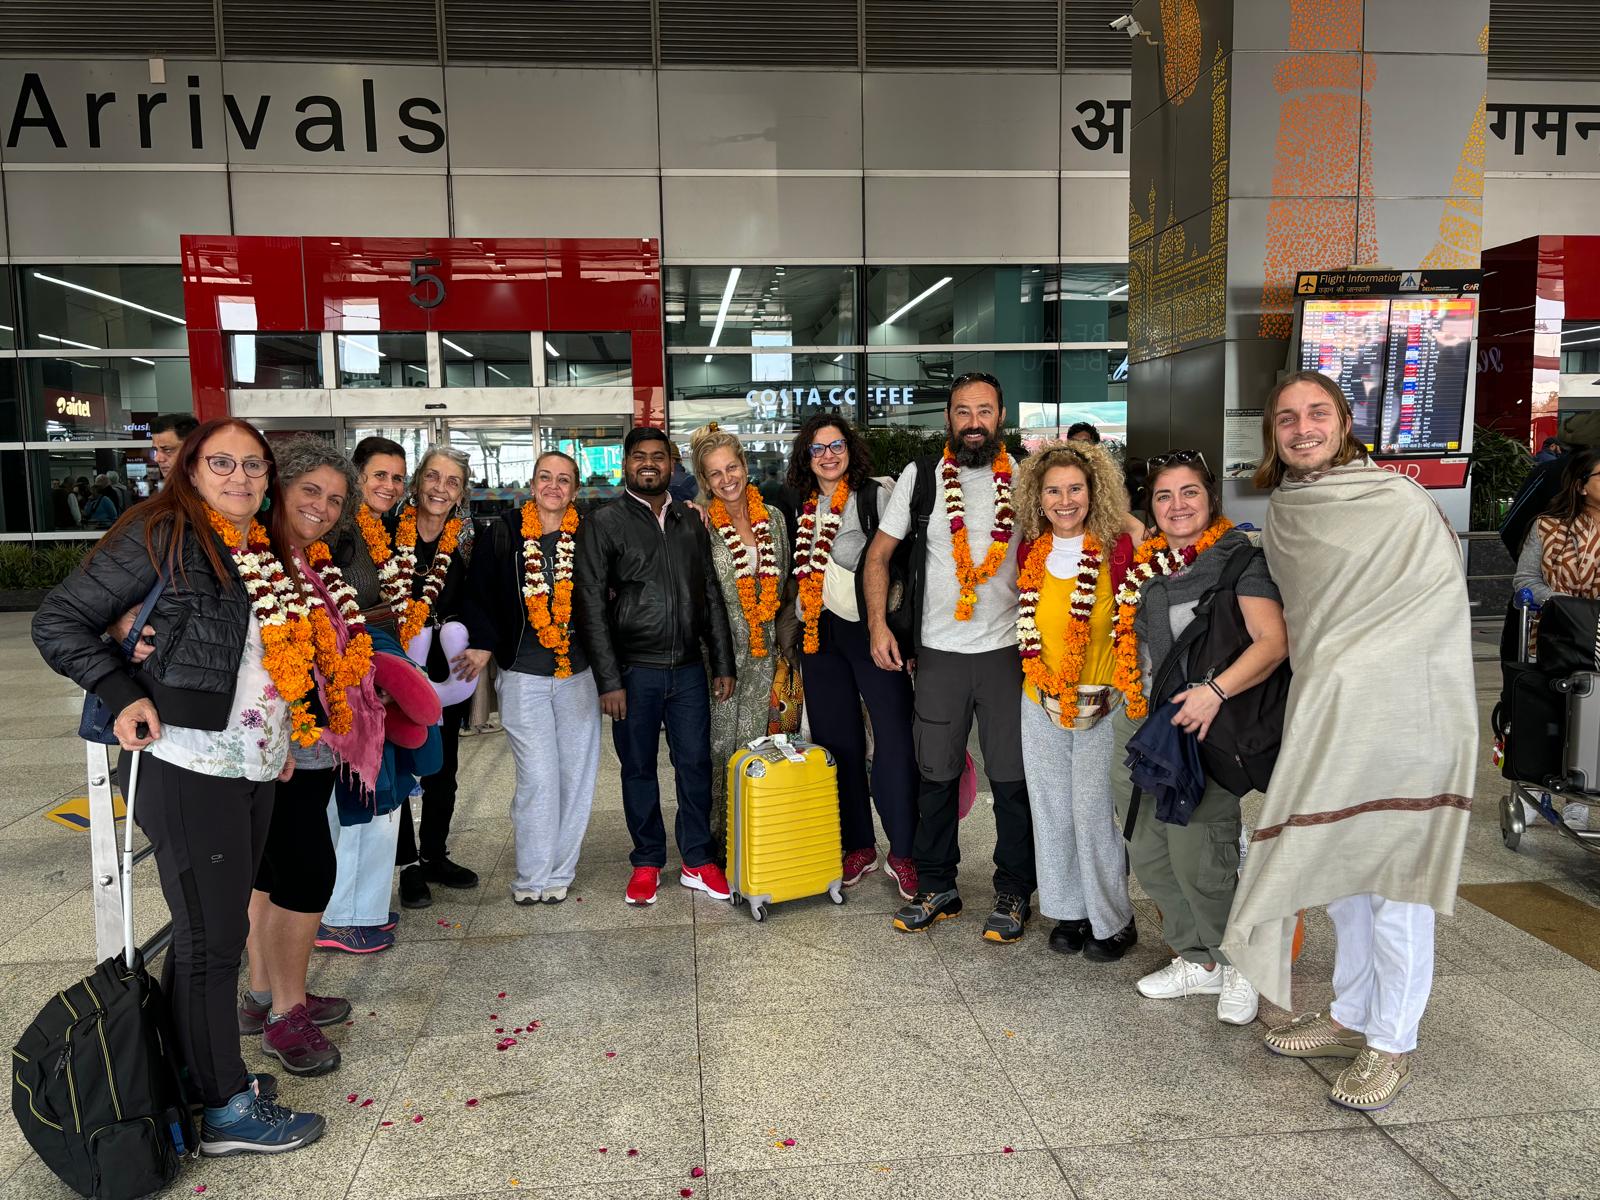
1096	702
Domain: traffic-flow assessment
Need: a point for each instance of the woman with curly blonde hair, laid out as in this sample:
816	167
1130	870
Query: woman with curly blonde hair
1072	512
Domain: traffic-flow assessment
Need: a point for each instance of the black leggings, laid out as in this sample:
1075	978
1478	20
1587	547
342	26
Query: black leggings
208	835
438	796
298	868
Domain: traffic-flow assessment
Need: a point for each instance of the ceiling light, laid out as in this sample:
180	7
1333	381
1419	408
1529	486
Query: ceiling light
7	328
78	287
708	358
447	342
1118	290
722	309
502	374
551	350
68	342
145	361
912	303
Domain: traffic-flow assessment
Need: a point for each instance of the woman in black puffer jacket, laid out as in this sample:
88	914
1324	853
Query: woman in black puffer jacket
217	707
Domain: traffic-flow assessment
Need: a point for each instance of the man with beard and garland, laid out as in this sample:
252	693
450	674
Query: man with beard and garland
647	603
1368	805
958	506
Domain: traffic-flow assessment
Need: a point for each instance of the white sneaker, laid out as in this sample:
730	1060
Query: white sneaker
525	895
1180	977
1237	1002
1576	816
554	895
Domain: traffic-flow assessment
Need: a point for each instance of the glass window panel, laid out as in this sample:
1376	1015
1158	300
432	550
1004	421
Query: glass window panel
596	444
588	359
414	438
274	360
382	360
14	495
103	306
486	359
101	399
1094	388
8	320
86	473
1092	302
10	400
1027	379
941	306
762	398
1580	347
802	306
501	453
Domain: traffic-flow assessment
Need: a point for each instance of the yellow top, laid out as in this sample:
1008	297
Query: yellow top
1055	598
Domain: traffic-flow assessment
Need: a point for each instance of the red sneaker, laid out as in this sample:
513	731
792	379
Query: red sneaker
708	879
904	873
642	885
858	864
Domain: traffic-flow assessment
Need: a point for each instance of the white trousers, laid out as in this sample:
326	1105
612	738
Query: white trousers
553	726
1382	969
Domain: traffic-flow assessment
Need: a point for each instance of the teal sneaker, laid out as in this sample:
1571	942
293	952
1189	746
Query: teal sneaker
252	1124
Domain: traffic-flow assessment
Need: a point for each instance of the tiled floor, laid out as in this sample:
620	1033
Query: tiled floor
915	1068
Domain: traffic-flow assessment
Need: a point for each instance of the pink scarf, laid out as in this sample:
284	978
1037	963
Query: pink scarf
360	750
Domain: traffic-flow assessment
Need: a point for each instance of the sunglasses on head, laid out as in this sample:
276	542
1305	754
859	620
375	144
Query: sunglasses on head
1179	458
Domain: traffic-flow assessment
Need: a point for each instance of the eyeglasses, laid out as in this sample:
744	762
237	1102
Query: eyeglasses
837	446
226	464
1178	458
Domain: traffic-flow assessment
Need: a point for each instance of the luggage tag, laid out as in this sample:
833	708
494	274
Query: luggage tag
781	743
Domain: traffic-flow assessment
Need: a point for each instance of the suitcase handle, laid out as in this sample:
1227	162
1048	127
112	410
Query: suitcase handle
127	861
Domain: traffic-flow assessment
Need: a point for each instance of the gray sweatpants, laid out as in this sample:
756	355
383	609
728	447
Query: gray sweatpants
1078	848
554	729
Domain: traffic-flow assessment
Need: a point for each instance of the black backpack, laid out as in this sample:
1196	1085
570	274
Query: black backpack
908	565
1241	747
94	1083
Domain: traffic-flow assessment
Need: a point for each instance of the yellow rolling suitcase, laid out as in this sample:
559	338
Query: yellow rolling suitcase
783	824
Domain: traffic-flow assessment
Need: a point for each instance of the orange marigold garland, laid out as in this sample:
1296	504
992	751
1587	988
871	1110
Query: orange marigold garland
757	582
393	589
969	577
549	610
287	637
1062	683
405	545
1153	557
340	671
813	548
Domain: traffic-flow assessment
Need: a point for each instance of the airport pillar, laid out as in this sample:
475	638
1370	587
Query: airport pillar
1271	138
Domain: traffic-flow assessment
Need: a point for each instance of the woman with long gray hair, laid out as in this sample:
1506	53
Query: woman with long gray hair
428	581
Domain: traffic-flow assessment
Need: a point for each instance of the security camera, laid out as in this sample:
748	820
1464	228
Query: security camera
1128	25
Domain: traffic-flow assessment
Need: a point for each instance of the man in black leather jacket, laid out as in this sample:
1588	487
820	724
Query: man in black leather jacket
648	607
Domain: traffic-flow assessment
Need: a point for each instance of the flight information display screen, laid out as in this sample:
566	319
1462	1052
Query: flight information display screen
1402	363
1345	340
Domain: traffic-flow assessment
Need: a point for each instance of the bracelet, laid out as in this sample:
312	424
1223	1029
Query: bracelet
1212	684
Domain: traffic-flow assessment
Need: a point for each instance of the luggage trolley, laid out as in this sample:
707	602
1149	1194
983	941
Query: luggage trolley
1578	780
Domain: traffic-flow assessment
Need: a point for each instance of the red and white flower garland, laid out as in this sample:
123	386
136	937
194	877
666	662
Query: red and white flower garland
757	581
813	550
970	577
405	560
550	610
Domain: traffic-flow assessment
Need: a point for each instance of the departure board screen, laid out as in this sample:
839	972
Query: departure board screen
1345	340
1425	379
1402	363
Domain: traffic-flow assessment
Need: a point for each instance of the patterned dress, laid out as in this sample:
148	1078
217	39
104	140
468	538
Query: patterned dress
743	718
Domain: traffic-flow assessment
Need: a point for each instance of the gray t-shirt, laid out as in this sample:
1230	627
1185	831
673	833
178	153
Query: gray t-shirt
994	623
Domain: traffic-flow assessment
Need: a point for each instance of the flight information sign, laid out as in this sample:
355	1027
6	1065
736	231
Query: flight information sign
1401	361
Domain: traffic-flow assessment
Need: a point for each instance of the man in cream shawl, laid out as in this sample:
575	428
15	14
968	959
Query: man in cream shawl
1368	806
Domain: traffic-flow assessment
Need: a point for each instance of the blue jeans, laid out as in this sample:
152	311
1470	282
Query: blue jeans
680	699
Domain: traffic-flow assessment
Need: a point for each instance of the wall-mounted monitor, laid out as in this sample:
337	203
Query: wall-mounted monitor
1403	362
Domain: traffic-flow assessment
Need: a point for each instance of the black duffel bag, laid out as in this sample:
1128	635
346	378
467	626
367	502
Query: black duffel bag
1568	641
